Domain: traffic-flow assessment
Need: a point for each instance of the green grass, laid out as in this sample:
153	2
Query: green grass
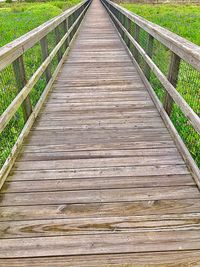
18	18
183	20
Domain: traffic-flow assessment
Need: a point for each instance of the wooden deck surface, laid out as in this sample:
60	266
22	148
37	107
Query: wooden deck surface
99	181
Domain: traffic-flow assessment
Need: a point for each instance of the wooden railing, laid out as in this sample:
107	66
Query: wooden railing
38	54
169	66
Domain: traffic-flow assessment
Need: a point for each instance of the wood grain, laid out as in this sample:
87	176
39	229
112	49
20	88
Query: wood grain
158	259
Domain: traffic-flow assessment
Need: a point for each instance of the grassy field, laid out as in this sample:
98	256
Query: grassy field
183	20
18	18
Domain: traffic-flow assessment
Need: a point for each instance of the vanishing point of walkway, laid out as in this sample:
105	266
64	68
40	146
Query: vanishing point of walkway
99	180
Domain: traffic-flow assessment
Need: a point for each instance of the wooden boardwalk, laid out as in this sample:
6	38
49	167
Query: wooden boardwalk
99	181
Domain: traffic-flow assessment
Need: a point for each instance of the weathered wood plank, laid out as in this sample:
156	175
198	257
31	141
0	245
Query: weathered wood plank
104	195
126	144
101	244
46	185
120	171
159	259
98	163
91	226
64	155
154	209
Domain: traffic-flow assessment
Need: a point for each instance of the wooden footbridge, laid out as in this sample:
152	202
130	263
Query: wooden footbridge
102	178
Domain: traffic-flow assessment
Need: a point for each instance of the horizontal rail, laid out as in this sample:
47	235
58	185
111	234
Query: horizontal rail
16	48
179	100
180	46
16	103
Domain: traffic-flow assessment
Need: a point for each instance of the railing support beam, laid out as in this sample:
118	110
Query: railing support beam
149	50
136	37
44	49
66	28
173	79
57	34
20	78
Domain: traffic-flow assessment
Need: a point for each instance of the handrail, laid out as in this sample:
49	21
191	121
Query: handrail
181	50
178	99
16	103
185	49
14	49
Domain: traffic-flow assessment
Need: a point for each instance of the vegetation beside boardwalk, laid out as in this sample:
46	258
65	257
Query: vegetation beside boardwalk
17	19
183	20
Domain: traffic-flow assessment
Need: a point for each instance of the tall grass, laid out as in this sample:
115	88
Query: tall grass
17	19
183	20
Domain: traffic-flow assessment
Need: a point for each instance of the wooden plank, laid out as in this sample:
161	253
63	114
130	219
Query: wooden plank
127	144
104	195
92	226
64	155
159	259
119	171
99	126
106	115
101	244
98	163
46	185
154	209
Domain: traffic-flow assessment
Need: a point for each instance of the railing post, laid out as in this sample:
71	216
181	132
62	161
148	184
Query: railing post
126	27
136	37
44	49
173	79
73	19
129	30
124	24
149	51
20	78
66	28
57	34
71	23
